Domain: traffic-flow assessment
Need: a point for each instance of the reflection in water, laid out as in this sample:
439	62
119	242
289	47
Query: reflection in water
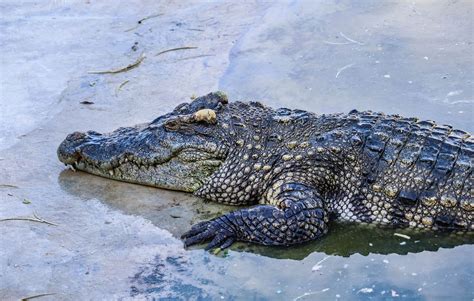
171	210
175	212
348	239
247	276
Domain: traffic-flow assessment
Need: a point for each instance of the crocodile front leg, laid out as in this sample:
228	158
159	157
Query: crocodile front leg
297	216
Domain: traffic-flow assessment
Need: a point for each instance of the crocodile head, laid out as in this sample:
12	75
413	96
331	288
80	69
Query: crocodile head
178	151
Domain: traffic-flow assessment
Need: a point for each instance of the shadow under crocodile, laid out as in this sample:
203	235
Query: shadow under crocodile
177	211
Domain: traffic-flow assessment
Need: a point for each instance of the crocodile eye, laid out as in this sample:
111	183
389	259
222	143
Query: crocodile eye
171	125
185	122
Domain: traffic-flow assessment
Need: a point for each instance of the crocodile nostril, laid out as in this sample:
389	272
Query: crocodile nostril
76	136
91	134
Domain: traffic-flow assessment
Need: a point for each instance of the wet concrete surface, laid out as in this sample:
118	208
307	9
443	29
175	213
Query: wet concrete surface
116	240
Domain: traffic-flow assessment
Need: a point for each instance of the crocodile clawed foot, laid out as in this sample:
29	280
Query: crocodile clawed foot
216	230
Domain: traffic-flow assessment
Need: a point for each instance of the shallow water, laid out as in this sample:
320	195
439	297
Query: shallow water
408	58
118	240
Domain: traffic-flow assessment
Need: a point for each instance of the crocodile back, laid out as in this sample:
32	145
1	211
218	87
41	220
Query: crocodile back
408	172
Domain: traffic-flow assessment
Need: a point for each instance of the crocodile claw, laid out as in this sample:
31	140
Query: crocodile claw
215	230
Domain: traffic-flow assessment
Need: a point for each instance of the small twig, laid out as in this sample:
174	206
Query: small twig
134	27
323	260
310	294
318	265
175	49
149	17
35	218
141	21
8	186
124	69
121	86
342	69
305	295
350	40
402	235
37	296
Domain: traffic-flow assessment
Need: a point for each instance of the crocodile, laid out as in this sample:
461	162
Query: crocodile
293	170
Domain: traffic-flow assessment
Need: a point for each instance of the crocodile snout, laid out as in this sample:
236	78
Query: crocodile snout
68	150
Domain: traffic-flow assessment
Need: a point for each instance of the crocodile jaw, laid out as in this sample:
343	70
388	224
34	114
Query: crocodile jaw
172	175
129	159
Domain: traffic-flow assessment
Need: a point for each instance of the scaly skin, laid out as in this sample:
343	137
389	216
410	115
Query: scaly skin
294	168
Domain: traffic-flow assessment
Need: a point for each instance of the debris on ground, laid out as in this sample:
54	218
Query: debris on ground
36	296
121	86
35	218
87	102
318	265
365	290
402	235
144	19
123	69
8	186
176	49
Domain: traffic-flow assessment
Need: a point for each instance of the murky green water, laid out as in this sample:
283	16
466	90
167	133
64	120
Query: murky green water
114	239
